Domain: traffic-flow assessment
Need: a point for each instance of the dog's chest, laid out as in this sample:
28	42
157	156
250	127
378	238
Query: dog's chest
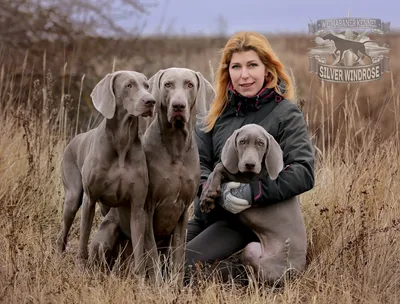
115	184
175	190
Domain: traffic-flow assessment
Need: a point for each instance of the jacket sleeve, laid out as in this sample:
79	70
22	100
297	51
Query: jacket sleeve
206	155
298	155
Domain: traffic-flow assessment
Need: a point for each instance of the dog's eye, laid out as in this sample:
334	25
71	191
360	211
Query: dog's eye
261	144
242	142
129	85
167	85
190	85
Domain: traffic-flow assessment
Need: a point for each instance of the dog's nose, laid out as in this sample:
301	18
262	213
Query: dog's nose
178	107
149	102
250	166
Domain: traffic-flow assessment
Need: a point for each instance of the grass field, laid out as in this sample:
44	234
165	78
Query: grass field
352	214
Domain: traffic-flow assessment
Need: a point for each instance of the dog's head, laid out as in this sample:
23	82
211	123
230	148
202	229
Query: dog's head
182	94
249	148
329	36
125	92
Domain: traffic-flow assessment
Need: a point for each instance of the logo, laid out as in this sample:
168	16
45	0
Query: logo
344	53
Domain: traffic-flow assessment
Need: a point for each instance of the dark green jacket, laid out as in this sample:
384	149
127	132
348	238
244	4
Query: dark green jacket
285	122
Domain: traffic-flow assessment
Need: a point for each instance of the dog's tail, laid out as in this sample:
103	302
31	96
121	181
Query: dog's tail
370	41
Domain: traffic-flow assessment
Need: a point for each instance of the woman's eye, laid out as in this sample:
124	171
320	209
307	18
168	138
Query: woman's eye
253	64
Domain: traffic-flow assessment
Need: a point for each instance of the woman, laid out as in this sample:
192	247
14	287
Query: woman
251	87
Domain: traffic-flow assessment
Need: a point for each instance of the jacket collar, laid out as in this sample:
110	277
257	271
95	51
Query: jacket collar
244	104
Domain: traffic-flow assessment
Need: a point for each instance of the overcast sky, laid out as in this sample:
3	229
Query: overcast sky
229	16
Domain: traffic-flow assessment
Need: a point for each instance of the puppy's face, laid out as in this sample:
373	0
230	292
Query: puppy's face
132	95
179	89
252	148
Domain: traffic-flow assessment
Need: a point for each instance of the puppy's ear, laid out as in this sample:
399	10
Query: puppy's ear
103	96
155	85
229	154
205	95
274	157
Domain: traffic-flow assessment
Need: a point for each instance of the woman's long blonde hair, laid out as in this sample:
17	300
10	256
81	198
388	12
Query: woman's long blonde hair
241	42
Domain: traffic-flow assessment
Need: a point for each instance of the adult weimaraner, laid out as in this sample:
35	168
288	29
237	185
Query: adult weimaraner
108	164
249	154
173	164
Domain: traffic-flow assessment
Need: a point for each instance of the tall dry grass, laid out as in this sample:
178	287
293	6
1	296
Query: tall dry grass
352	214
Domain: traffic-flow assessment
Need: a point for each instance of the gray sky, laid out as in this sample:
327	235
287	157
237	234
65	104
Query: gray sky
229	16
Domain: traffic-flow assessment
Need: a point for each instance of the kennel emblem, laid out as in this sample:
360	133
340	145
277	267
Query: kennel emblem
344	53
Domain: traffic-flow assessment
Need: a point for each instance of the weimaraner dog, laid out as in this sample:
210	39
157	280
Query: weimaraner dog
108	164
249	154
173	164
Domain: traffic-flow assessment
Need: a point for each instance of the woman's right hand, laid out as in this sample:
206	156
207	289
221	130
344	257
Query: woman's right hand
236	197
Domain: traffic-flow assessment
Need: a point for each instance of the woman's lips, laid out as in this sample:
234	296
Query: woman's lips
246	85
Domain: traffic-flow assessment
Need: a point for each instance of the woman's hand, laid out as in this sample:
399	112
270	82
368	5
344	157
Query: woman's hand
235	197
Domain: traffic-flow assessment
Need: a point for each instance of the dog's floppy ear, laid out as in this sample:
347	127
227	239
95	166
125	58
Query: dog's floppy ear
205	95
103	96
155	85
274	157
229	154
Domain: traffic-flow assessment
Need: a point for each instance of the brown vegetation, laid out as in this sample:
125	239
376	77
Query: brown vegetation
352	214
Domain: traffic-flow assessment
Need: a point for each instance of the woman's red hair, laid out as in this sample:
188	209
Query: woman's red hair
241	42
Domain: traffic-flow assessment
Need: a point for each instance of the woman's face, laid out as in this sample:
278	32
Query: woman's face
247	73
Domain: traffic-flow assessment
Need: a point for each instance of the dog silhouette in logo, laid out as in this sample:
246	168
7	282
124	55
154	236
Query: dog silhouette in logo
343	45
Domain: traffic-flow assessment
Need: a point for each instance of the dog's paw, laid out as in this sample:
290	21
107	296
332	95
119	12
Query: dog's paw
203	205
60	246
206	205
207	199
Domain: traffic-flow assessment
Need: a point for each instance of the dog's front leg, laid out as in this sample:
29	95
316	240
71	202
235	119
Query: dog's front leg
137	225
88	210
178	246
211	190
153	261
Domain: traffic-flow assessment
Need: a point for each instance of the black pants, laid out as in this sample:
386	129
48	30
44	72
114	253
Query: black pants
213	238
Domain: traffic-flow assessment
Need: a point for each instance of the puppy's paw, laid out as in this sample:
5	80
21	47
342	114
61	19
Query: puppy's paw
207	199
206	205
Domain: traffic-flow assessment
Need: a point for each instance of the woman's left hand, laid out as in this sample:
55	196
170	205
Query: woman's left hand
235	197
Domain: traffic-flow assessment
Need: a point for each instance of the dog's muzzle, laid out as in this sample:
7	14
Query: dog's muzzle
147	107
178	114
249	167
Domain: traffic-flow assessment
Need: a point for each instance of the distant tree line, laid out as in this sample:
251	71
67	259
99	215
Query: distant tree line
27	22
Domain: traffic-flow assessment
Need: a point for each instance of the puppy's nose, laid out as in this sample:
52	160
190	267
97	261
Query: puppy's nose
149	102
178	107
250	166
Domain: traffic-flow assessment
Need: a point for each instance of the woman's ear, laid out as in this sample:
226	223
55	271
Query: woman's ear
267	76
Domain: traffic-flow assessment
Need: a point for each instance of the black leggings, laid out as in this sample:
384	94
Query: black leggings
216	243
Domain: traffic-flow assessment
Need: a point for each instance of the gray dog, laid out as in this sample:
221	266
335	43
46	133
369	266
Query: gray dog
249	154
173	163
108	164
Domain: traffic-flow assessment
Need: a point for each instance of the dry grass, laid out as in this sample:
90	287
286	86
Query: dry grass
352	214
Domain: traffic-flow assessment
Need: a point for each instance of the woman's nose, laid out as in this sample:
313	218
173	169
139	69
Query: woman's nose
245	73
